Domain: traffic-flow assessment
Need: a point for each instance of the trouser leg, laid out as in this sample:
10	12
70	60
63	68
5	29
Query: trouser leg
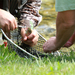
30	11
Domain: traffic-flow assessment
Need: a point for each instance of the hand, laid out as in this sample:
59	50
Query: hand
71	41
50	46
31	39
7	21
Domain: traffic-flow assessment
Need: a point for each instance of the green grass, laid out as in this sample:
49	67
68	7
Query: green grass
12	64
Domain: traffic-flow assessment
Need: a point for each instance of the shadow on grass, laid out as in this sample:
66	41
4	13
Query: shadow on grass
6	56
63	57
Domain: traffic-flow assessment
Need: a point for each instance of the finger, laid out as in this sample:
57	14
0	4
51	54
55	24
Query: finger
4	29
44	49
22	32
35	40
11	25
29	42
15	24
47	50
7	27
31	36
24	37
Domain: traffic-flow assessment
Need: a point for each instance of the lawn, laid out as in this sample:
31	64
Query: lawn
12	64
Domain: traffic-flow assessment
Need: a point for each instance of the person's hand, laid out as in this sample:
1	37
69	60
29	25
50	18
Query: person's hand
31	39
71	41
50	45
7	21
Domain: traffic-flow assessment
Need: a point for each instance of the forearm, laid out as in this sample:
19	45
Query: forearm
65	26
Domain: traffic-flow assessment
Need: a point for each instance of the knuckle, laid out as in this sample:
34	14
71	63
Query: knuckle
3	26
6	23
10	21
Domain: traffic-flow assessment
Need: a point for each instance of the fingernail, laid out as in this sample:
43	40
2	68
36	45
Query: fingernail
15	27
25	38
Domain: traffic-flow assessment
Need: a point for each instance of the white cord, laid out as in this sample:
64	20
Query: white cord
17	45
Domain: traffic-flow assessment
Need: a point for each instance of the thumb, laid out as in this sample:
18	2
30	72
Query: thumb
24	37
